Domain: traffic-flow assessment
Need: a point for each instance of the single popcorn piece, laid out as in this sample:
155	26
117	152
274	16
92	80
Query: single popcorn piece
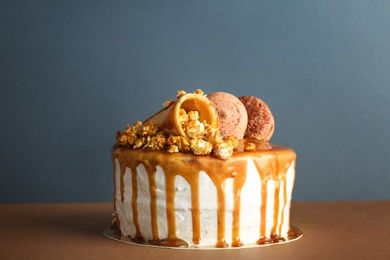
199	92
131	137
149	128
137	127
157	142
180	93
212	134
180	142
193	115
168	103
195	129
223	150
201	147
173	149
128	129
233	140
138	143
250	147
121	139
172	140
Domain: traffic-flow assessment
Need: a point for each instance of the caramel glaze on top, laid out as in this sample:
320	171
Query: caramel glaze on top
272	162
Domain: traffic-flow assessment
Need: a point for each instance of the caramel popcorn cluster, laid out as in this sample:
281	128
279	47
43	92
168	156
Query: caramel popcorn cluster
202	139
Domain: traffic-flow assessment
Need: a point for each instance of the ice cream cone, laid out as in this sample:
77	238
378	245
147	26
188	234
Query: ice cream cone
168	118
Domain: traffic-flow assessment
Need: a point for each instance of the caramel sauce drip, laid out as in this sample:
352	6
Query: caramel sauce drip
138	235
153	203
122	182
238	183
271	162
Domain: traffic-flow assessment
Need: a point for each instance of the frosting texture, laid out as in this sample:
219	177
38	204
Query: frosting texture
184	200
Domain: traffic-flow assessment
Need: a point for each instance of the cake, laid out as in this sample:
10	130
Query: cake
201	173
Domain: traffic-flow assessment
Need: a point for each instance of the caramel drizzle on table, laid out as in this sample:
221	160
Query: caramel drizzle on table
271	161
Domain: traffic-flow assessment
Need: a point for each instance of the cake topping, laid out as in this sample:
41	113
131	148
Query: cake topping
261	123
181	127
202	125
233	118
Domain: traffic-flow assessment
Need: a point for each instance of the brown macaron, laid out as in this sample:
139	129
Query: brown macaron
261	123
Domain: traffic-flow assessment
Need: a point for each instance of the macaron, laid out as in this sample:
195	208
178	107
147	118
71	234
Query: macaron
232	114
261	123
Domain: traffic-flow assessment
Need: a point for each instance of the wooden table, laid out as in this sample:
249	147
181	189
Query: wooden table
332	230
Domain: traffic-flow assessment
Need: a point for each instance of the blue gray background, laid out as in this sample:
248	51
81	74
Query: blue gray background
72	73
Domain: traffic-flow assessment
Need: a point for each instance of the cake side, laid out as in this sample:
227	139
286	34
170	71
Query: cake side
182	199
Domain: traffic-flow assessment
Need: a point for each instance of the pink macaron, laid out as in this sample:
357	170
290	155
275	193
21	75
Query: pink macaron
232	115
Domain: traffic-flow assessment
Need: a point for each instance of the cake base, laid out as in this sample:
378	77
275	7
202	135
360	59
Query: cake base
185	200
113	233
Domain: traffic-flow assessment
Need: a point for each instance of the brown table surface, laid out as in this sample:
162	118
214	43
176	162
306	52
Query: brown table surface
332	230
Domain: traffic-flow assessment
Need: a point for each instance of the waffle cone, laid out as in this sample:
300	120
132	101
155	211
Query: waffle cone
168	118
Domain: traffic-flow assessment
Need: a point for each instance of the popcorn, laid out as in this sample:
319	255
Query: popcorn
136	128
149	128
180	142
212	134
193	116
136	125
128	136
183	117
195	129
121	139
250	147
223	150
180	93
173	149
233	140
203	139
199	92
201	147
157	142
138	143
131	137
168	103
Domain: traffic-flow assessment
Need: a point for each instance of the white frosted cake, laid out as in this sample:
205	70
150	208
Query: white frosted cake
196	181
